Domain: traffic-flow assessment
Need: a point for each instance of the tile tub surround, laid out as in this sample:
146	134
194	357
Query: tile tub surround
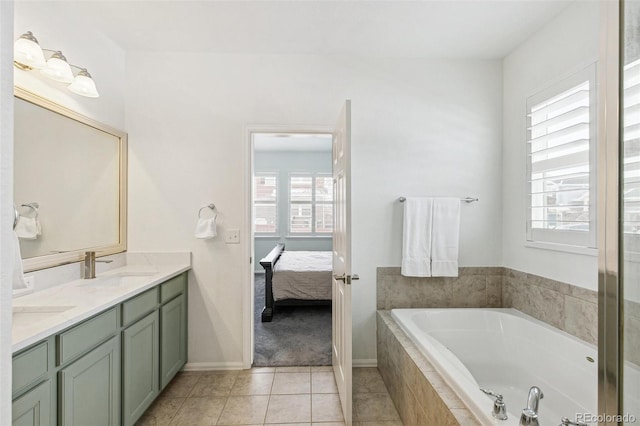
567	307
419	393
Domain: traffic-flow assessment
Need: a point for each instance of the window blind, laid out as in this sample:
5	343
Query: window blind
561	163
631	144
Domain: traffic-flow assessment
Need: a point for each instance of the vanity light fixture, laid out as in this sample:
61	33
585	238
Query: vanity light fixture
28	55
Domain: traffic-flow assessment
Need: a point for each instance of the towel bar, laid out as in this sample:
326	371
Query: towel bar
466	199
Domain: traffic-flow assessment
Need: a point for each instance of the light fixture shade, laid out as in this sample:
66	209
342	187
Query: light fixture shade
58	68
27	52
83	85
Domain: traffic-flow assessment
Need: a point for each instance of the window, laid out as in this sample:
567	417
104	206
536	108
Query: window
631	154
310	204
265	204
561	162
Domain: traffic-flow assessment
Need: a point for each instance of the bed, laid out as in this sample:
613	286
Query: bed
294	278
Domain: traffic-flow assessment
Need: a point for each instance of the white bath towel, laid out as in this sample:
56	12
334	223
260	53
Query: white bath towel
445	237
28	228
416	237
206	228
18	271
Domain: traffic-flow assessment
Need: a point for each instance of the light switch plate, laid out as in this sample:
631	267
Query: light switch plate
232	236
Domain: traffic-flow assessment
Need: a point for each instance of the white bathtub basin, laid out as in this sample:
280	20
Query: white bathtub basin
508	352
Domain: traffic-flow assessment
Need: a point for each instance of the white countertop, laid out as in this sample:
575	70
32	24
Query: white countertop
39	315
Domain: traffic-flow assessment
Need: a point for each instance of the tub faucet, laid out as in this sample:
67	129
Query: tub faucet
529	415
89	266
566	422
499	407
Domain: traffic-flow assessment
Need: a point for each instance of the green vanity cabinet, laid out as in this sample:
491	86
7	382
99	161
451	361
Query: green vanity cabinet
140	363
34	407
89	388
173	320
108	369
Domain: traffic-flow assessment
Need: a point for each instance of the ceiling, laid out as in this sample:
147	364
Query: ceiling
268	142
408	29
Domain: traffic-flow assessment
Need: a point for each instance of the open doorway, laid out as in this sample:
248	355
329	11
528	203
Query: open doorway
292	218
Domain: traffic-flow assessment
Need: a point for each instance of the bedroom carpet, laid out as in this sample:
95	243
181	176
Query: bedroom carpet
299	335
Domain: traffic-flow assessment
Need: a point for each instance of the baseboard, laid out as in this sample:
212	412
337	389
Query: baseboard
206	366
365	362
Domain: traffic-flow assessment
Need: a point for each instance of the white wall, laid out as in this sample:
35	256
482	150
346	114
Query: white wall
82	45
420	127
565	45
6	213
284	163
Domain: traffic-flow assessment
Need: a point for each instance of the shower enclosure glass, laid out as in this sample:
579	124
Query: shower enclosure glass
630	207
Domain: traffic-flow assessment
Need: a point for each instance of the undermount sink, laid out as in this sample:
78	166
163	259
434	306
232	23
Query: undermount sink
133	274
34	312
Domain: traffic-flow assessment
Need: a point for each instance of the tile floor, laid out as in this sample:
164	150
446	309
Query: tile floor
292	396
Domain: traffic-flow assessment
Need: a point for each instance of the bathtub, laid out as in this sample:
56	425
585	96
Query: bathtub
506	351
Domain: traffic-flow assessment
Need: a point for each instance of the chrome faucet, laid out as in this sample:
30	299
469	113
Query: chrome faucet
499	407
89	267
529	415
566	422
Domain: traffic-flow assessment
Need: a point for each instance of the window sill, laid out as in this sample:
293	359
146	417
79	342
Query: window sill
267	237
585	251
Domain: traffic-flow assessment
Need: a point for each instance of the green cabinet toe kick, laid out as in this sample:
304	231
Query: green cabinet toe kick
106	370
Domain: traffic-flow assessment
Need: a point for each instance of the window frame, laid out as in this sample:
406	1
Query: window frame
314	202
276	204
563	240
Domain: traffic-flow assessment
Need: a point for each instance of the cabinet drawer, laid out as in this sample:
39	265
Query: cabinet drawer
173	287
86	335
29	367
139	306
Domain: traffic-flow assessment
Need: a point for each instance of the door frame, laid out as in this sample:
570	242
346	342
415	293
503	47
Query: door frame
247	228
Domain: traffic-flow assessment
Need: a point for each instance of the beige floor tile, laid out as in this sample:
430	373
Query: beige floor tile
322	368
368	380
181	385
161	412
326	408
253	384
199	412
328	424
289	409
214	384
323	382
289	424
293	369
244	410
258	370
291	383
374	406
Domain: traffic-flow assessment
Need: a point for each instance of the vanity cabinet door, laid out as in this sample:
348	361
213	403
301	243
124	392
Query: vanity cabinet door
34	407
140	367
90	388
173	338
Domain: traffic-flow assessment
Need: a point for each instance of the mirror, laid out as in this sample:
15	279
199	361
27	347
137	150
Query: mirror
69	183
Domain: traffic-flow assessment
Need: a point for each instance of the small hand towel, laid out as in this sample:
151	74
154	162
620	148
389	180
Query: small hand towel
18	271
28	228
445	237
416	237
206	228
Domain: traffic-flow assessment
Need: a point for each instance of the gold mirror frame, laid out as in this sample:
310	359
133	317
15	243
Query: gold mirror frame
57	259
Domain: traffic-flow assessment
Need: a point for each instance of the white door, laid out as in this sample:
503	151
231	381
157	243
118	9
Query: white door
341	287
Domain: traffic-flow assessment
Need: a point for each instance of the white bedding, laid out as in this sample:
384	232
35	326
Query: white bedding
302	275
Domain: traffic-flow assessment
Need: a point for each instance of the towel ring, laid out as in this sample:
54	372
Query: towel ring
210	206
